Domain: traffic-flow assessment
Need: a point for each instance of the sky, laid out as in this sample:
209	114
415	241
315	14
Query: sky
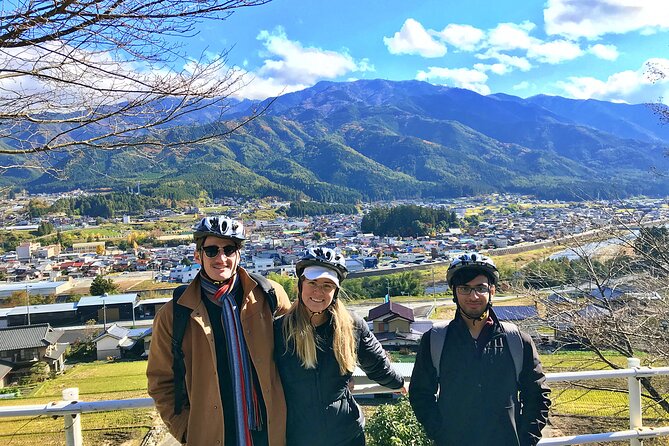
602	49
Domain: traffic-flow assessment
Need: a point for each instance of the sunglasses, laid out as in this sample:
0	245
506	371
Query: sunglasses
213	251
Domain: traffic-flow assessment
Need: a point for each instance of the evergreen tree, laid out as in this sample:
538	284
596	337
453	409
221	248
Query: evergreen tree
100	286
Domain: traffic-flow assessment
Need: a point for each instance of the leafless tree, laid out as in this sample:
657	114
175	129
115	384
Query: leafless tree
80	75
617	302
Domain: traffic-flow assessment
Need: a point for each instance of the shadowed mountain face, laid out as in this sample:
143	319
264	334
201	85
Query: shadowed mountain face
378	139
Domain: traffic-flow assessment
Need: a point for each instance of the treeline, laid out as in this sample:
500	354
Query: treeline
562	272
108	205
405	283
304	208
408	221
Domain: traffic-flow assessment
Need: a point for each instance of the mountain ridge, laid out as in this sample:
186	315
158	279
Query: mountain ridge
380	139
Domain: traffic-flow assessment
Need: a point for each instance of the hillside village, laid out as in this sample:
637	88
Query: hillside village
504	222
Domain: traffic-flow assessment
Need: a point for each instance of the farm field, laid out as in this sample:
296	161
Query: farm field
119	380
96	381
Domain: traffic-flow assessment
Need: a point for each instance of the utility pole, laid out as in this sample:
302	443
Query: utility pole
434	291
28	303
104	311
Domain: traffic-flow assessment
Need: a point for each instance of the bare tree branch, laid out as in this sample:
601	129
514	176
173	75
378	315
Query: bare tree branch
82	75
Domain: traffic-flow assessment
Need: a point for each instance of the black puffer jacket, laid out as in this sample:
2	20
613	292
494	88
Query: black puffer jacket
479	402
321	409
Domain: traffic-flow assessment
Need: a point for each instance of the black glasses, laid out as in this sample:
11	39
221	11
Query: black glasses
213	251
465	290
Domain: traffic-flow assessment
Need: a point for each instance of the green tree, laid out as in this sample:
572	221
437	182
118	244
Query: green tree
652	246
45	228
100	286
37	208
288	283
39	372
407	221
395	425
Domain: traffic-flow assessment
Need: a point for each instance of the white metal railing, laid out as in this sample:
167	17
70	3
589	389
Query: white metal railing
71	409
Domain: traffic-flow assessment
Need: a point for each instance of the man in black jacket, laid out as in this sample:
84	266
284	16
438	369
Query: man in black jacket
477	381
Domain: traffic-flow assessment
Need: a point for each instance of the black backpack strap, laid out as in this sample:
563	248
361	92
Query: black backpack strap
180	318
268	289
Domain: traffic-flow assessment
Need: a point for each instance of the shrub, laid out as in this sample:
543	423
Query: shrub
395	425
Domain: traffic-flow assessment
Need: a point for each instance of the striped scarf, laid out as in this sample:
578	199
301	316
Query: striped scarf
247	406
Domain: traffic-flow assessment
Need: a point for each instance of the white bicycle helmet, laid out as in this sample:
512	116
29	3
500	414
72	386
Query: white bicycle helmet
472	261
324	257
221	227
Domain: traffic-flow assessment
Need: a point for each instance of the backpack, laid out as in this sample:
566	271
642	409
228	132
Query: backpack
179	323
438	338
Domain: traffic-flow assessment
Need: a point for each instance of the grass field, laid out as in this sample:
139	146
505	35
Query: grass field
103	380
96	381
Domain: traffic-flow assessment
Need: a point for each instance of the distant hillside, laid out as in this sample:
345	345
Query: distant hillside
369	140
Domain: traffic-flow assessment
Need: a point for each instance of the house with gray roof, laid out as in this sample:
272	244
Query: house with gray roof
119	342
392	323
24	346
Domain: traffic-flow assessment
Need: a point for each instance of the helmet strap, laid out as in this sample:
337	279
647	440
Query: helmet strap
313	313
483	315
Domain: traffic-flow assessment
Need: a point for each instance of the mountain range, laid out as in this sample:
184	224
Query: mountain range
379	139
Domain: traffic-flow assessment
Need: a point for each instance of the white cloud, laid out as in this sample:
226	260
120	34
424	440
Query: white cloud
594	18
456	77
626	86
554	52
524	85
497	68
463	37
289	66
605	52
511	62
511	36
412	38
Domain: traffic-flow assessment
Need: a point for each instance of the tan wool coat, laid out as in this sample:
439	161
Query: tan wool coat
201	423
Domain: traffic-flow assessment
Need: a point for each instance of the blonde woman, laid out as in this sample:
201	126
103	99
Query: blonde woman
317	346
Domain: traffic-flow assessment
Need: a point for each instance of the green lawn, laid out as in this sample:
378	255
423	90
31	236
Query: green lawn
96	381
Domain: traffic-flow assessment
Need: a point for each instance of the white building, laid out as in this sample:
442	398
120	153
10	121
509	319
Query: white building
261	264
411	257
26	251
184	273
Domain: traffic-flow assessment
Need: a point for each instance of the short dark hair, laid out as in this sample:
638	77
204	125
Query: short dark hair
199	242
466	275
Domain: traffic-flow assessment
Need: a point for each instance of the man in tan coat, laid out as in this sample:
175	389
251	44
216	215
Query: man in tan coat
233	392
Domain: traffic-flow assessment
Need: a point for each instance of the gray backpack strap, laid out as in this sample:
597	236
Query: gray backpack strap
437	339
515	342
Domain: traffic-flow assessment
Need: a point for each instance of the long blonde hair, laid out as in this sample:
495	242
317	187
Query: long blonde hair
300	335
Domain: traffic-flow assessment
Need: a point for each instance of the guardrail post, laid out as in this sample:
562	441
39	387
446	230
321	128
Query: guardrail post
634	385
73	436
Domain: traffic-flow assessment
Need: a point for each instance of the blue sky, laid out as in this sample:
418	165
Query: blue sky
574	48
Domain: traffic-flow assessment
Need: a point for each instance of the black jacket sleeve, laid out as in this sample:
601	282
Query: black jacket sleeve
423	390
373	359
534	395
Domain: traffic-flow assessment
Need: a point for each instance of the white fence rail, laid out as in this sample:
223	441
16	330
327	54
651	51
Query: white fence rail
71	409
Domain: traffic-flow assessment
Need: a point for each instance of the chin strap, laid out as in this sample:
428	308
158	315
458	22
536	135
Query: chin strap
299	298
482	317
